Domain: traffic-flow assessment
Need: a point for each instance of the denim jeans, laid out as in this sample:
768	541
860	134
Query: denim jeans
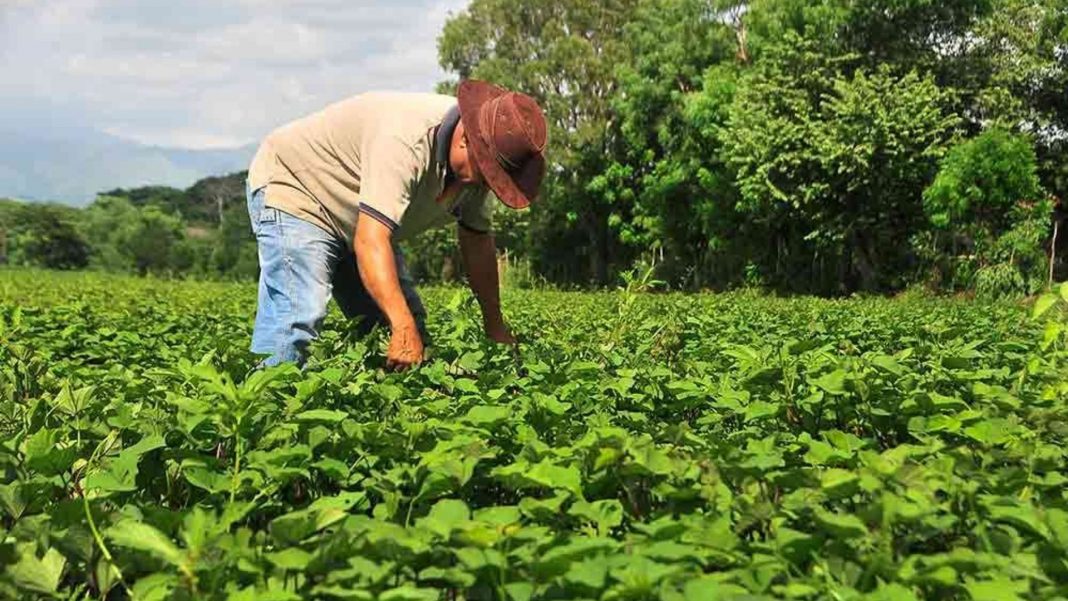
301	265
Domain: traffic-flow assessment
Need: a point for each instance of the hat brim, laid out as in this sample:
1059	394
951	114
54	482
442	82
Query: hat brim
516	189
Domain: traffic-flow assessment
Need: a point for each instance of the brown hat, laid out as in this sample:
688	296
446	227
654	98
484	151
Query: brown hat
506	133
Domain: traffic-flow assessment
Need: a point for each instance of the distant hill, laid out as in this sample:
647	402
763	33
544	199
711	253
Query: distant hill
74	165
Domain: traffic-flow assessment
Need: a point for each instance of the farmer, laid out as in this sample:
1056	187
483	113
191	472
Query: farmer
331	194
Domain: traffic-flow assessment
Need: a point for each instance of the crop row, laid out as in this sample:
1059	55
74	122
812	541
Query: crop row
638	446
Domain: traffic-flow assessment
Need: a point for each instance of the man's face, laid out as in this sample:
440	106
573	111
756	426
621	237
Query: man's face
462	162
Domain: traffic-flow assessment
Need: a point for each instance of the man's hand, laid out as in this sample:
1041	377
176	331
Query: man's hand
498	331
405	348
378	270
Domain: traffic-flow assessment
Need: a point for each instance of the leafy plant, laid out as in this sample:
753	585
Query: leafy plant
661	445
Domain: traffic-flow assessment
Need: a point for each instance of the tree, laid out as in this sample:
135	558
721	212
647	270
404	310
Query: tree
672	197
42	235
991	215
211	199
981	180
152	240
564	54
1021	57
235	245
129	238
839	160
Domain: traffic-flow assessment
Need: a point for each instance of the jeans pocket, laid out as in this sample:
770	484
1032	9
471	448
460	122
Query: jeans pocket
268	215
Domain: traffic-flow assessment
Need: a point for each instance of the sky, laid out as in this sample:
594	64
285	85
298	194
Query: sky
206	73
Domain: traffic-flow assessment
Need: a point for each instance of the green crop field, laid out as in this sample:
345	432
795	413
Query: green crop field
679	447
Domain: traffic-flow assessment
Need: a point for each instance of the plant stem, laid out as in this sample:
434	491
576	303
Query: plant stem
237	467
92	523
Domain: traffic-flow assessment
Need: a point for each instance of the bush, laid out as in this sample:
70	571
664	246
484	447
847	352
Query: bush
990	217
41	235
981	180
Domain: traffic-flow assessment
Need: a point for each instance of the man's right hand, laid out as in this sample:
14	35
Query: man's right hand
377	265
405	348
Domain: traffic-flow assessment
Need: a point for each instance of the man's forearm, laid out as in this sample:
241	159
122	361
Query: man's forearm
480	258
378	270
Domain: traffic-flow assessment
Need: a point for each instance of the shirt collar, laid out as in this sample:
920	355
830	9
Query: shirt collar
443	139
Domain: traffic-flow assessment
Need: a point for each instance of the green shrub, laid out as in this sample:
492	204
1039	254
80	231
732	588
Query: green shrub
990	217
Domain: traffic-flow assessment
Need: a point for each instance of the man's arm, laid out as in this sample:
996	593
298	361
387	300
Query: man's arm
479	253
373	246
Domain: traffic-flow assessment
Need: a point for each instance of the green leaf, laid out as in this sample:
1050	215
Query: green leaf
1023	517
292	559
545	474
142	537
202	477
343	593
447	515
831	383
892	592
155	587
889	364
38	574
589	573
1000	589
484	415
841	525
321	415
294	526
519	590
557	560
409	593
119	473
1043	304
606	514
708	588
39	444
838	482
501	516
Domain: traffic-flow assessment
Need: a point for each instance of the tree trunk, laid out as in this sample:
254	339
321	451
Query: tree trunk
598	270
742	35
1053	251
448	269
863	265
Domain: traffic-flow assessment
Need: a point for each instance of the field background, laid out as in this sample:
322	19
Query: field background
804	146
642	446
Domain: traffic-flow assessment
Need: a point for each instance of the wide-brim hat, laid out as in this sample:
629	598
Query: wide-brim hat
506	134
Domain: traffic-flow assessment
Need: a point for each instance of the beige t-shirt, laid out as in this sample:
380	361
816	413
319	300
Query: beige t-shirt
373	154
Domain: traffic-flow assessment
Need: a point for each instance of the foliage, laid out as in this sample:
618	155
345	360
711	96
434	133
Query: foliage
648	446
670	199
661	158
837	161
141	240
42	235
564	54
203	231
989	206
981	180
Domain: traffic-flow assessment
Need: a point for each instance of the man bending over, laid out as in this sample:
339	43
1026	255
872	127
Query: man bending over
331	194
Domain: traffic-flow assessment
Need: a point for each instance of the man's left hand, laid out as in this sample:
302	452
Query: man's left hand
499	333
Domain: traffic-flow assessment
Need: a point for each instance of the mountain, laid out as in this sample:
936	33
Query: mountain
73	165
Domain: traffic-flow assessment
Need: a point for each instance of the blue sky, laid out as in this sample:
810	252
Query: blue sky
206	73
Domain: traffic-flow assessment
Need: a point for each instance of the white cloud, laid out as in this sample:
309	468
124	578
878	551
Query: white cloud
202	73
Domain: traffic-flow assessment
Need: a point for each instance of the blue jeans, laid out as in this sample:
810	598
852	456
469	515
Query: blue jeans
300	266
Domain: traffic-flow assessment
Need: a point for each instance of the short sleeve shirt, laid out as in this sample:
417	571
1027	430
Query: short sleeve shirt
374	155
